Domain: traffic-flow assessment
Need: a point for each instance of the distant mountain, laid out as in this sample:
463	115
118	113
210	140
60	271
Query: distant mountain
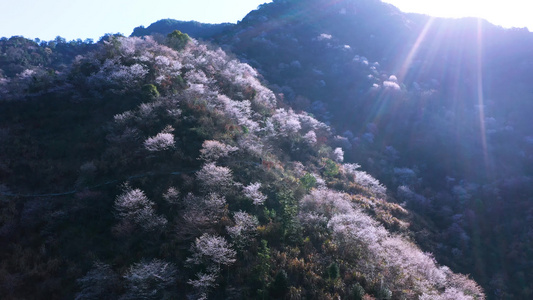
194	29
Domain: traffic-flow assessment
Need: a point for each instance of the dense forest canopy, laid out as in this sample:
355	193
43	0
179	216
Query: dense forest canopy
306	152
180	174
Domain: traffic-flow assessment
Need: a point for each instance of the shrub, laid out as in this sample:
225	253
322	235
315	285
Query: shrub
308	181
177	40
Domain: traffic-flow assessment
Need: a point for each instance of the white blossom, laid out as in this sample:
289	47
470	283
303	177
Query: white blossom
209	208
213	150
213	177
310	137
252	144
212	251
365	180
326	202
356	229
134	206
252	192
162	141
338	155
287	122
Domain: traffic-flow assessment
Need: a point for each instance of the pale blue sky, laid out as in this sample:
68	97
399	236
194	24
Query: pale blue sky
72	19
83	19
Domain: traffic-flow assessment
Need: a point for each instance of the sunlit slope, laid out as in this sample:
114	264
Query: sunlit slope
184	176
437	109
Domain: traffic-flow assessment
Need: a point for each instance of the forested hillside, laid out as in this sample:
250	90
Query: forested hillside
437	109
192	28
142	169
307	151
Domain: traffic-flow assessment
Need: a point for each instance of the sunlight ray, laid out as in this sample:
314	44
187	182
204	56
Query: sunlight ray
480	100
414	50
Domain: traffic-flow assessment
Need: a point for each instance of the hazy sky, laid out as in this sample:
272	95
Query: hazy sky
83	19
506	13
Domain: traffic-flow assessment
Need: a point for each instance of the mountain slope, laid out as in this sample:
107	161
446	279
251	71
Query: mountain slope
437	109
191	179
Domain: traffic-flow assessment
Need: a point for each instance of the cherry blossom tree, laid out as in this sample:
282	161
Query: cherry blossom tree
153	279
202	284
214	178
252	192
244	229
202	211
286	122
133	206
212	251
310	137
338	155
213	150
326	202
162	141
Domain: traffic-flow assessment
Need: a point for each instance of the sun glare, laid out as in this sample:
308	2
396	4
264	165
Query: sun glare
510	13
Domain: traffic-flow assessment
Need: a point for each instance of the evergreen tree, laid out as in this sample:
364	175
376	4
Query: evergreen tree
177	40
